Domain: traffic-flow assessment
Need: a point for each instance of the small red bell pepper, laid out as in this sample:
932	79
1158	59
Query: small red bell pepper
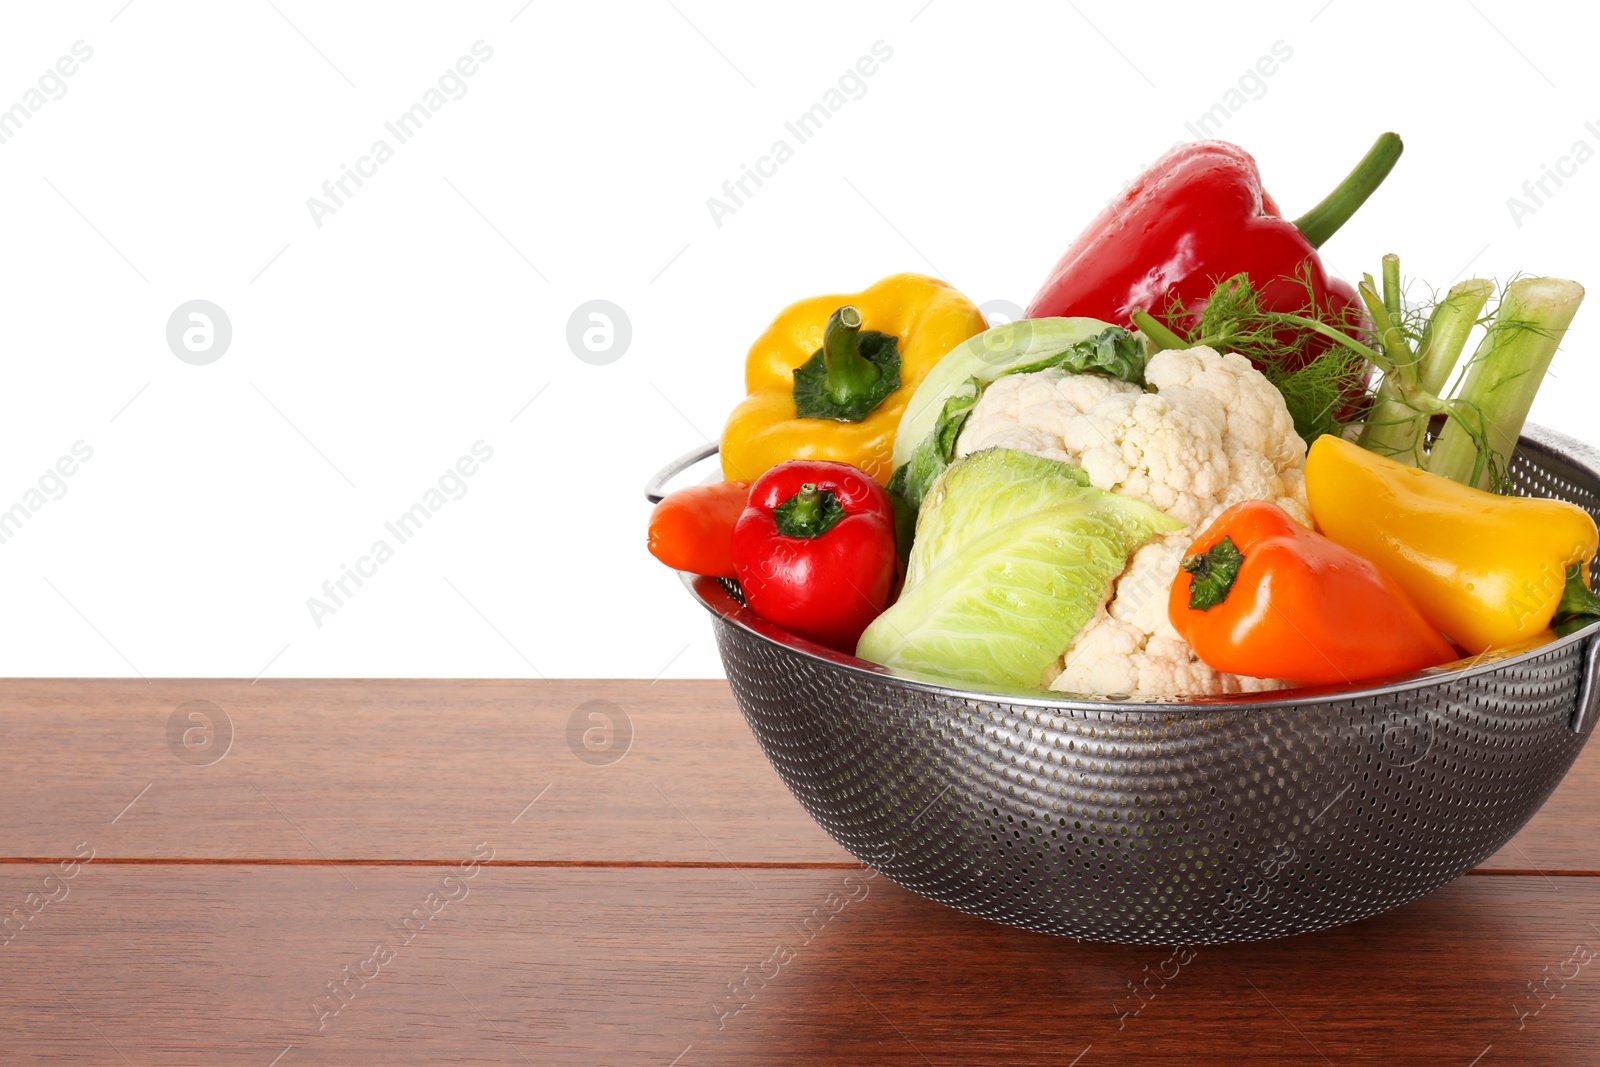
1263	596
814	550
1197	216
692	529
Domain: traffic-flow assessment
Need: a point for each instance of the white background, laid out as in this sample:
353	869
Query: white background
368	354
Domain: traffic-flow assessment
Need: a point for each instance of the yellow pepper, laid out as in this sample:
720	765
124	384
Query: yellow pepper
830	377
1487	570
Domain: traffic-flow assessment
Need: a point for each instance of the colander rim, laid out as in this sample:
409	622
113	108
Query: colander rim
717	600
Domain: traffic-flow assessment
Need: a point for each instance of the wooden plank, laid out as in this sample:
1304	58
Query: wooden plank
403	770
231	964
399	770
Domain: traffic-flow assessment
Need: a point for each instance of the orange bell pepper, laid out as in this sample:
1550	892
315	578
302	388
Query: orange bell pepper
1261	595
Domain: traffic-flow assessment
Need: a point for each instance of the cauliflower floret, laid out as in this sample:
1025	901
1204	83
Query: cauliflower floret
1215	432
1227	385
1141	589
1129	441
1111	656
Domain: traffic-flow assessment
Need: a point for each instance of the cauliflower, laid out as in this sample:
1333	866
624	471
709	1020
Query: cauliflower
1214	432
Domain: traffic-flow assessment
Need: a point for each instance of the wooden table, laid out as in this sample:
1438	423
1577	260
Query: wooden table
450	872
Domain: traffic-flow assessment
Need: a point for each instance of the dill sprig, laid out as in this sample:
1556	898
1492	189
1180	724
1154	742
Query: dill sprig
1311	355
1323	362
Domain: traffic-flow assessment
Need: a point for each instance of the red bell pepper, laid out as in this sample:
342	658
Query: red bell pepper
814	550
1197	216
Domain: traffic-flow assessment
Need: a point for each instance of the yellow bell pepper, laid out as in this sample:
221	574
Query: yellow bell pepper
1487	570
844	404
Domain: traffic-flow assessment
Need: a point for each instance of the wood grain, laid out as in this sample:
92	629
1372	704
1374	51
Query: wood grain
225	964
397	770
682	909
405	770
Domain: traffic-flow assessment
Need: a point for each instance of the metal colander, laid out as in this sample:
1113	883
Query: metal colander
1208	821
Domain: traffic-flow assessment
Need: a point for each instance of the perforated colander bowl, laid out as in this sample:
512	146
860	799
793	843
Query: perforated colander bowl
1207	821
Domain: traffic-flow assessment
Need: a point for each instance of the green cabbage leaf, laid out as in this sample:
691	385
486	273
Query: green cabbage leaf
1013	555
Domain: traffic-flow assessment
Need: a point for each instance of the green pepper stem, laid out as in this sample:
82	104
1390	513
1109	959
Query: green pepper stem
1214	570
1577	601
849	374
1324	220
811	512
1158	333
806	505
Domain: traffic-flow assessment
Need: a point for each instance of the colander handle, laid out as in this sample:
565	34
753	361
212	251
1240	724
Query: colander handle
1588	709
656	487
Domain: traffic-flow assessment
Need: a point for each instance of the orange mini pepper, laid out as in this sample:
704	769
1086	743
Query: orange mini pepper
692	529
1263	596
